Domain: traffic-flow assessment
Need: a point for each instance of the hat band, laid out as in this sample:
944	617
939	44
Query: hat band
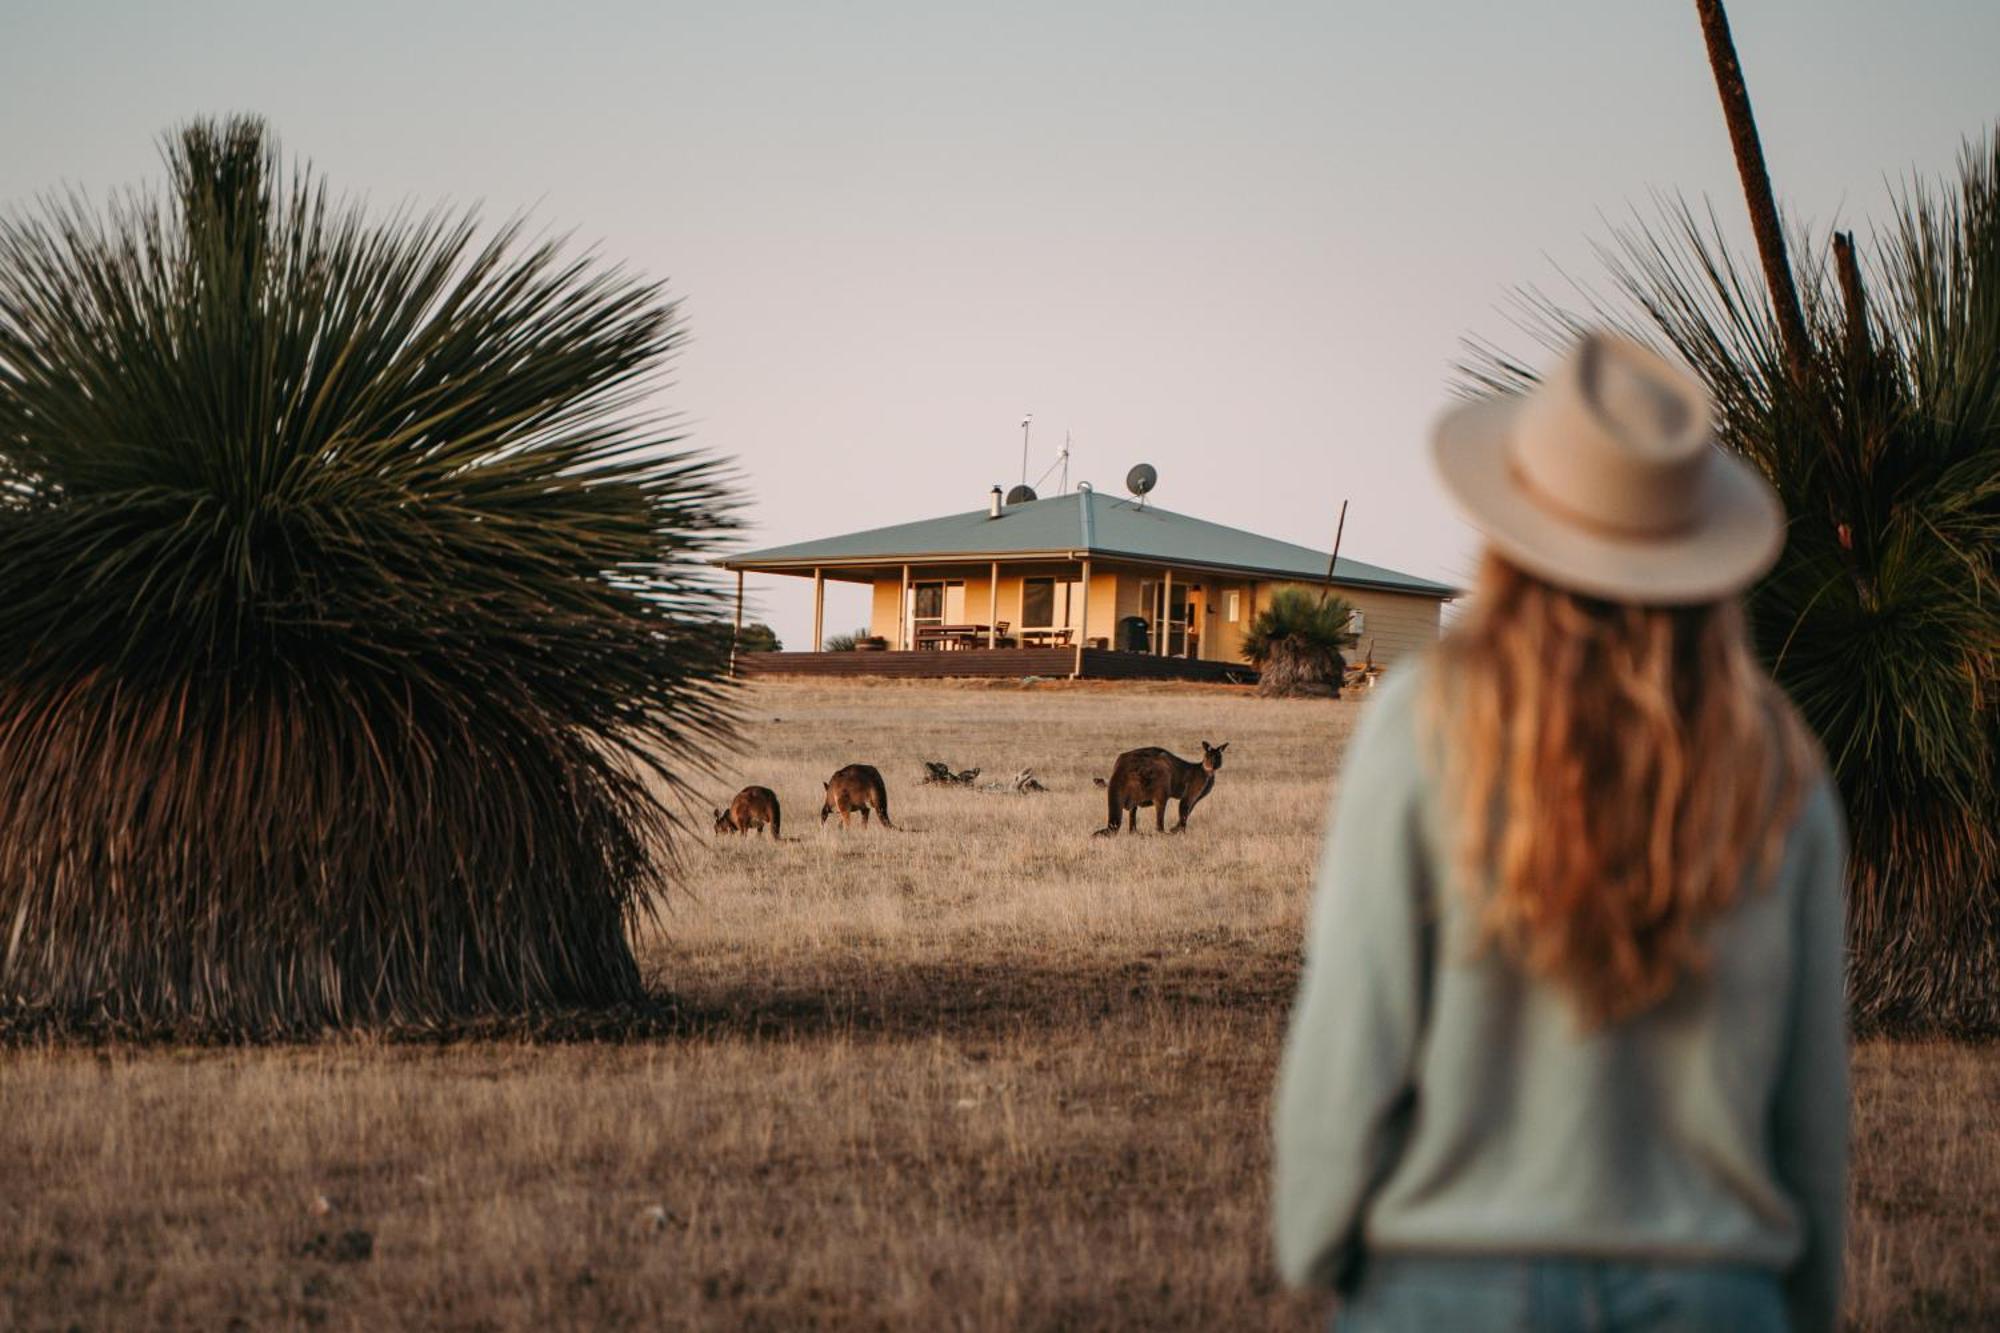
1542	499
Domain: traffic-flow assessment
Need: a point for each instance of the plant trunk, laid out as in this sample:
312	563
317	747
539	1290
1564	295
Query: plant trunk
1756	178
1296	670
1854	297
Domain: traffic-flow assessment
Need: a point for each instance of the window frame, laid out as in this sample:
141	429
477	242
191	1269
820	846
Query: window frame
1026	583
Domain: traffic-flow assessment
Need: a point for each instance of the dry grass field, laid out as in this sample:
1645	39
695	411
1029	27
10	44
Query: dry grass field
979	1071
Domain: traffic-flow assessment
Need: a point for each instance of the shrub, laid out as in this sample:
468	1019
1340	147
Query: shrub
1882	616
757	637
845	643
350	619
1295	642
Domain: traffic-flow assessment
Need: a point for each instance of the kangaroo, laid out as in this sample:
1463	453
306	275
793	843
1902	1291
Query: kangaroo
1153	776
753	808
856	787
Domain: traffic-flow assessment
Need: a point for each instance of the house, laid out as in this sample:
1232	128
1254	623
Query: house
1081	584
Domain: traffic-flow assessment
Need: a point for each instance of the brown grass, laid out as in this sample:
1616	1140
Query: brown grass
985	1071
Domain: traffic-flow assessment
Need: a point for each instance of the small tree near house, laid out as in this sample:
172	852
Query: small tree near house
757	637
845	643
1296	641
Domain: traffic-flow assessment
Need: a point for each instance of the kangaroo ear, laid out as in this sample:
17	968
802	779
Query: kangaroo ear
1220	748
827	785
718	814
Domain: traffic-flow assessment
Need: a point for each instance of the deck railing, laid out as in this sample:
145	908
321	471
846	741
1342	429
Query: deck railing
993	663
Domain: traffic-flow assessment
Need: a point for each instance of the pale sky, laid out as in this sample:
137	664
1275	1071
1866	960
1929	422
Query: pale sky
1238	241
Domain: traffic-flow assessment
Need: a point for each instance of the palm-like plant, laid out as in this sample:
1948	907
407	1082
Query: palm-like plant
1882	619
351	633
1295	642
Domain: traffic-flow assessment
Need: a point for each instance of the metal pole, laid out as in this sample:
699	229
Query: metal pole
1166	613
1025	420
1083	622
993	607
738	634
903	612
1334	559
819	608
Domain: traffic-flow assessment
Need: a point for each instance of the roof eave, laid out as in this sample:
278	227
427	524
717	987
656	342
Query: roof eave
805	564
785	564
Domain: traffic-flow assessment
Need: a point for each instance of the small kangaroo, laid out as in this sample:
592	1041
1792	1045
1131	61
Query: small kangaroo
1153	776
752	809
856	787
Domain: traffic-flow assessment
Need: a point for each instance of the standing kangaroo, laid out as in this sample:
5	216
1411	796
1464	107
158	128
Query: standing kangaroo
753	808
1153	776
856	787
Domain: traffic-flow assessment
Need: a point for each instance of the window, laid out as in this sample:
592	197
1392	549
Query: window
1235	607
1038	603
1356	622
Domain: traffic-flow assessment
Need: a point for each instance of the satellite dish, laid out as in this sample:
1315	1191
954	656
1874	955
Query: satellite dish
1141	479
1021	495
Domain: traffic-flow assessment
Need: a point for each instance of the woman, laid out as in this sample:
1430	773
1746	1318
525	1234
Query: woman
1570	1048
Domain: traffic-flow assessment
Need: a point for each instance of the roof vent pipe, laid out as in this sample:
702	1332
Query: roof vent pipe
993	504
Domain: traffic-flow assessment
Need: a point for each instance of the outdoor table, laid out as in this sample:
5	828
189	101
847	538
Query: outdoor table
946	637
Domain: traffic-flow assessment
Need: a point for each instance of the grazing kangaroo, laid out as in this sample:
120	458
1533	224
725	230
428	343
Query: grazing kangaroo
753	808
856	787
1153	776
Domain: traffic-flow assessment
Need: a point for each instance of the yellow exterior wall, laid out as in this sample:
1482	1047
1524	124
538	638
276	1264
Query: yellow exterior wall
1394	624
1222	638
882	618
1218	639
882	610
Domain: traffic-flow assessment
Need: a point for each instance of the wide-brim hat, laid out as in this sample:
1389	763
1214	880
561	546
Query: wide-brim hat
1606	479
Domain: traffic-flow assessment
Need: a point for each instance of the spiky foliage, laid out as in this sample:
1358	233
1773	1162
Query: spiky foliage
1295	642
1882	618
349	633
844	643
757	637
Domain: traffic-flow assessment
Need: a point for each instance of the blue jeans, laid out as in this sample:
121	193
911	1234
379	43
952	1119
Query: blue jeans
1424	1294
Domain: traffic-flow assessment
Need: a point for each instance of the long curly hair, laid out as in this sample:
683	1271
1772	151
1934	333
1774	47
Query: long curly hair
1617	775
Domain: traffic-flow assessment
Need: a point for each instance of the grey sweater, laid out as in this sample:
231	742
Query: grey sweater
1434	1099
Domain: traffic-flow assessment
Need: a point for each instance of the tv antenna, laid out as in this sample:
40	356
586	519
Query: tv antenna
1062	462
1027	421
1142	479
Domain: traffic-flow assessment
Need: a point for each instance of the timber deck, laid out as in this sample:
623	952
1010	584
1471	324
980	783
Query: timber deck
995	663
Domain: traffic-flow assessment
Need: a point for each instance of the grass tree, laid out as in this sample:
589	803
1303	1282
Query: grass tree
353	644
844	643
1295	642
1882	618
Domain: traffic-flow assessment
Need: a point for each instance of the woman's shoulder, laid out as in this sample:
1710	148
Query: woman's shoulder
1391	715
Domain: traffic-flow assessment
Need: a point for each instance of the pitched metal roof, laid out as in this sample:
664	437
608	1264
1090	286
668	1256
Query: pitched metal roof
1079	524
